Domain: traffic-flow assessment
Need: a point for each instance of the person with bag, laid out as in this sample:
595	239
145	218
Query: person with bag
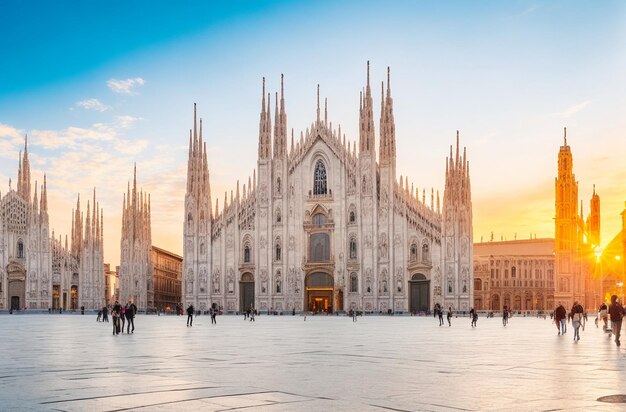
190	312
577	318
603	314
616	312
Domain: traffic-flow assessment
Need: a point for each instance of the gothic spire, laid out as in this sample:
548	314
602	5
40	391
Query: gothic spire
366	132
265	130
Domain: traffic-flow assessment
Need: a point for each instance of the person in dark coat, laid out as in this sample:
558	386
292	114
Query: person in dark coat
616	312
116	312
105	314
190	315
131	310
560	318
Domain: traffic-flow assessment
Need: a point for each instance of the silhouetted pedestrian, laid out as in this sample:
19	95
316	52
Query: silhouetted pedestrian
616	312
190	312
131	310
449	316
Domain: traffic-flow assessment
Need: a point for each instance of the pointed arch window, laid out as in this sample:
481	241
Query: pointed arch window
425	253
20	249
277	251
353	248
413	252
246	253
354	283
319	179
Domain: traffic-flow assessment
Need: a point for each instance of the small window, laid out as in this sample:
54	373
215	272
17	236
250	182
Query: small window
319	179
278	216
20	249
354	283
413	252
425	253
319	219
278	185
352	248
513	270
246	254
352	218
277	252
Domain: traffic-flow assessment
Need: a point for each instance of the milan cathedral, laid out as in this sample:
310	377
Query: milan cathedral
325	226
39	271
136	270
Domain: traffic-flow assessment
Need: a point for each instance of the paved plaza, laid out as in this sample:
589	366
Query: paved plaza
284	363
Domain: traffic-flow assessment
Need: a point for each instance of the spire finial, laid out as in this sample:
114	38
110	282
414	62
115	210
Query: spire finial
318	102
388	81
282	88
325	110
565	136
263	97
594	188
368	74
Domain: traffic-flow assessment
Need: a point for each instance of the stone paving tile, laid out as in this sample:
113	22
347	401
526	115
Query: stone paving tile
71	362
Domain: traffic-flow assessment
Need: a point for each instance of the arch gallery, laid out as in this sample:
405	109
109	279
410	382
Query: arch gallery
325	226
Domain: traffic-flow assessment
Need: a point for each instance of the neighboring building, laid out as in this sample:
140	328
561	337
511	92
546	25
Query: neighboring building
518	274
168	272
111	291
136	271
323	226
38	271
575	242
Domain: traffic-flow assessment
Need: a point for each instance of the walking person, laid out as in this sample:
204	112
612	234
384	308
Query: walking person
131	310
603	314
577	319
123	317
616	312
474	318
99	316
213	315
505	316
471	315
560	315
251	311
449	316
190	315
116	312
105	314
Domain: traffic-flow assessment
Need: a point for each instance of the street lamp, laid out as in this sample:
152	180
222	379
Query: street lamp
598	253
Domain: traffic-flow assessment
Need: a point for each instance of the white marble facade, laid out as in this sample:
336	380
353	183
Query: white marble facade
326	225
38	270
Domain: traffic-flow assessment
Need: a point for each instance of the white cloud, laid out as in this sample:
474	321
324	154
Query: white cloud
570	111
126	122
125	86
93	104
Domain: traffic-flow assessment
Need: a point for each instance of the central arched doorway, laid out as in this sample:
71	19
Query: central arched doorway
319	292
246	291
419	298
17	285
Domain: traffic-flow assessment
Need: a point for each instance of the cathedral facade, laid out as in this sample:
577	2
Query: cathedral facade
136	274
327	226
39	271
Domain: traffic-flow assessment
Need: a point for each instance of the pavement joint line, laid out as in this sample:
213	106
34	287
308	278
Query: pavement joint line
129	394
186	400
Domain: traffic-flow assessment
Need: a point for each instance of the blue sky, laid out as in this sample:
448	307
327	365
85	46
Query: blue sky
100	85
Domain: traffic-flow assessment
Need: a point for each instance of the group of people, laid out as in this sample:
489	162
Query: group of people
438	313
103	315
122	315
213	312
578	317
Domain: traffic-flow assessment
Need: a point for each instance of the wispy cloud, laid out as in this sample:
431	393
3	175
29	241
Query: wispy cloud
126	121
93	104
570	111
125	86
529	10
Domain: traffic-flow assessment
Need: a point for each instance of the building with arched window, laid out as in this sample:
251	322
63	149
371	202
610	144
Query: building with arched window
326	223
37	269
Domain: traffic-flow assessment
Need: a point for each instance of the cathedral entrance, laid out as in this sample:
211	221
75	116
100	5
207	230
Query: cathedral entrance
419	298
74	298
55	296
246	291
319	293
17	284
